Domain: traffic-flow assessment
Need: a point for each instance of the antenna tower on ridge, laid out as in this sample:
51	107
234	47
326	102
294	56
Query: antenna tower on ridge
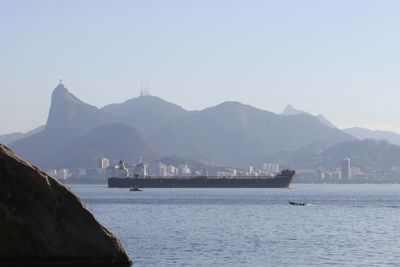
144	89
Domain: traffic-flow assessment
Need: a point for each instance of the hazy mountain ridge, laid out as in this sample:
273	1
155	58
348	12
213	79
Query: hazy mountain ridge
236	134
69	118
368	154
12	137
230	134
290	111
363	133
113	141
203	135
147	114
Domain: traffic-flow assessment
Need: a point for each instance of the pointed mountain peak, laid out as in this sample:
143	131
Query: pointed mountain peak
60	87
61	94
69	115
290	110
289	107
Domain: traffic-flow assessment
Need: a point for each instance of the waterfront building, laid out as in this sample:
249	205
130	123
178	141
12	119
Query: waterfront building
62	174
346	169
270	168
162	169
274	168
104	163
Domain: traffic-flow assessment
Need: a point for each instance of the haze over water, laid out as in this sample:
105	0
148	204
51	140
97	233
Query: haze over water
345	225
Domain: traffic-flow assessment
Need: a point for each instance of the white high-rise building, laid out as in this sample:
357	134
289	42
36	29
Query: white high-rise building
270	168
62	174
104	163
274	168
234	172
266	167
161	170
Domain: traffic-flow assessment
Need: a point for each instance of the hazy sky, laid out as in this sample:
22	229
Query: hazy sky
338	58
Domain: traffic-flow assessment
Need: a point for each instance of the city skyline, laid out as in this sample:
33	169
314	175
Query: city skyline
337	59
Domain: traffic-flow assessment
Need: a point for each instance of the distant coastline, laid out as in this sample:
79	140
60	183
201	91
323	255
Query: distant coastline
104	182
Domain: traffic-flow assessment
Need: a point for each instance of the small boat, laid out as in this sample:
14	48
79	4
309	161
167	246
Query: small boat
135	188
297	203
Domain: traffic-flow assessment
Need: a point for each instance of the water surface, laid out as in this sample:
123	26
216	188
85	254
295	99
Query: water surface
344	225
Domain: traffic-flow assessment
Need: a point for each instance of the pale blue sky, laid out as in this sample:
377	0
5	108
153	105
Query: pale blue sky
338	58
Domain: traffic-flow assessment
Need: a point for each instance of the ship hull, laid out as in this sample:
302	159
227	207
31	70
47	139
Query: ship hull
280	181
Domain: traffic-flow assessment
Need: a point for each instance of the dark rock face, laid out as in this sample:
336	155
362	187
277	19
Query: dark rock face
43	223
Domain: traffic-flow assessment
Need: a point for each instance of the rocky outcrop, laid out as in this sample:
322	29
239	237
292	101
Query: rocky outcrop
69	116
43	223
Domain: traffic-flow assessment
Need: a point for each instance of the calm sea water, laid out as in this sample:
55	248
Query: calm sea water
344	225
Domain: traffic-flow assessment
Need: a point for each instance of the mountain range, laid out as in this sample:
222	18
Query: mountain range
371	155
290	110
363	133
236	134
78	134
357	132
11	137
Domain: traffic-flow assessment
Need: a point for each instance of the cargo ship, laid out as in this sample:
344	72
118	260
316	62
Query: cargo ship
280	180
